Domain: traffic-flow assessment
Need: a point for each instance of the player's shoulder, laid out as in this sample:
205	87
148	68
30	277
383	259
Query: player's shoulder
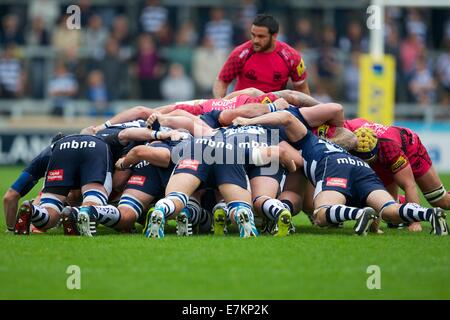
243	50
285	49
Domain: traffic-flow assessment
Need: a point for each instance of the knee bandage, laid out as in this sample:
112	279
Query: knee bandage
95	196
435	195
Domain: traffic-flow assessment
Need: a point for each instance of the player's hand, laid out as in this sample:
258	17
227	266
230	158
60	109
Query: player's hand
240	121
415	227
281	104
119	164
153	117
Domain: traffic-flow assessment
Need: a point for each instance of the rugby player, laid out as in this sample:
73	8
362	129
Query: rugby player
340	178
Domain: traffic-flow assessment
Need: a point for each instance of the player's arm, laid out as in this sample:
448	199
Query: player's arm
330	113
228	73
135	113
297	98
302	87
295	130
404	178
253	92
183	120
251	110
220	88
10	206
156	156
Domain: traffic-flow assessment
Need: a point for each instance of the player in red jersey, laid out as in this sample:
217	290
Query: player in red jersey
262	62
400	159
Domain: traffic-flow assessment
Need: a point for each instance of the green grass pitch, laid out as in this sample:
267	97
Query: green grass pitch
312	264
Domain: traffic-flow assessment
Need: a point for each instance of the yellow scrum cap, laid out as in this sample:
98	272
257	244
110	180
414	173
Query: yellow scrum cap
367	146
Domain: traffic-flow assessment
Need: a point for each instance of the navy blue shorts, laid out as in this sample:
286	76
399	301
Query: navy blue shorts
263	171
150	179
200	161
78	160
348	175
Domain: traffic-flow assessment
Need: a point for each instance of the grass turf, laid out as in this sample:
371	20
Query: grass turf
312	264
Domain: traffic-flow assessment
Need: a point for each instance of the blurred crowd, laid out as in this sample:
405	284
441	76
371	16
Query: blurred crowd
167	54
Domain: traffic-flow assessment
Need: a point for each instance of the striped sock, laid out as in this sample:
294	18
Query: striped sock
205	223
272	208
167	206
193	211
40	216
412	212
340	213
107	215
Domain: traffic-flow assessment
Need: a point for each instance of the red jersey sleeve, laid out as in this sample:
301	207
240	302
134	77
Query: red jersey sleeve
392	156
296	65
235	62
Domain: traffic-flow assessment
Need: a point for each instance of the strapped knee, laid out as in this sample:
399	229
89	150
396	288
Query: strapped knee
180	196
131	202
435	195
387	204
50	201
95	196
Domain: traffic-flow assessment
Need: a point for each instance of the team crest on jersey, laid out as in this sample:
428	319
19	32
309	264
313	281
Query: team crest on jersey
277	76
55	175
401	161
336	182
251	74
137	180
301	67
188	164
266	100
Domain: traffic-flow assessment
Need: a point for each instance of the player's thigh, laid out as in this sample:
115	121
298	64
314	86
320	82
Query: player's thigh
233	192
183	182
329	198
429	181
378	198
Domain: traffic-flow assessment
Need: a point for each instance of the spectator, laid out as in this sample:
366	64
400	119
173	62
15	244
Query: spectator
148	68
114	71
47	10
12	77
303	34
11	32
95	37
97	94
86	12
416	25
410	50
62	88
165	35
177	85
37	36
64	38
422	85
354	39
182	51
281	62
321	94
219	29
121	33
153	17
328	67
206	65
351	78
443	72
